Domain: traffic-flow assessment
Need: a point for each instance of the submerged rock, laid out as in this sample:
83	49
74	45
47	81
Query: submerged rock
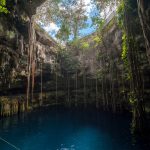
5	107
9	107
21	106
14	106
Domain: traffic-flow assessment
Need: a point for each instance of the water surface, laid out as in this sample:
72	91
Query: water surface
64	129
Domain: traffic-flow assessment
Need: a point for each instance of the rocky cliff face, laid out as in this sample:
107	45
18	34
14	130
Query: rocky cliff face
32	67
15	42
27	55
16	36
111	46
102	67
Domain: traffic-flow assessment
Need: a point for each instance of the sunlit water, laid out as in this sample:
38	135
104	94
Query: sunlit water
63	129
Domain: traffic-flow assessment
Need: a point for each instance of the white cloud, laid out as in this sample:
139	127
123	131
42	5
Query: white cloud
52	27
88	6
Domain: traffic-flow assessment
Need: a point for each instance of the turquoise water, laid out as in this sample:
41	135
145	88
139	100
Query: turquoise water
64	129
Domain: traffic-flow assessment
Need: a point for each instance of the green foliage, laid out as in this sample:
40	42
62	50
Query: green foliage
125	39
64	32
68	62
99	22
132	98
84	45
3	8
75	43
80	45
11	34
124	55
120	14
97	40
124	47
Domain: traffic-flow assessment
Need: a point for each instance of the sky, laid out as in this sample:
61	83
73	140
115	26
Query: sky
91	10
53	28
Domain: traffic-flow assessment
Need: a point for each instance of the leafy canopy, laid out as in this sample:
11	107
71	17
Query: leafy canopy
69	15
3	8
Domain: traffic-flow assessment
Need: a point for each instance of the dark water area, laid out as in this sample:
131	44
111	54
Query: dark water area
69	129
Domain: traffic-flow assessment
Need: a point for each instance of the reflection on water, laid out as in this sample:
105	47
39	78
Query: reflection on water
63	129
72	147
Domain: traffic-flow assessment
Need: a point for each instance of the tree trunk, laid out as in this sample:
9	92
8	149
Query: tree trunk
144	12
138	119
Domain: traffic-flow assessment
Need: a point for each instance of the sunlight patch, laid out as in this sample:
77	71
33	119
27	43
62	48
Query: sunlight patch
51	28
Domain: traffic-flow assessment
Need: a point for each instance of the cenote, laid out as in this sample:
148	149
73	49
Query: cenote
65	129
74	74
